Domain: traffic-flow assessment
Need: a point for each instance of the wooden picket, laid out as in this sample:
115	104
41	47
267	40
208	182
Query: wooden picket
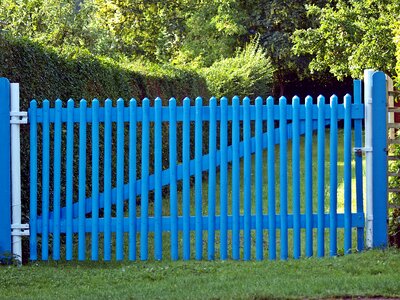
236	132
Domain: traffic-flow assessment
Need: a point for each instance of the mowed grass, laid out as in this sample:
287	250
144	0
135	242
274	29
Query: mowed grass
368	274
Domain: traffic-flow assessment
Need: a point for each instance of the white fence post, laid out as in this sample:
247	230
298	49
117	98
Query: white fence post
16	118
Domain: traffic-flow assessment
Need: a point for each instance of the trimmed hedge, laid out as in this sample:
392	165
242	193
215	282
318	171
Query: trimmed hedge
74	73
44	73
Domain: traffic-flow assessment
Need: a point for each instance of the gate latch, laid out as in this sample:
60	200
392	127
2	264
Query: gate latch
360	150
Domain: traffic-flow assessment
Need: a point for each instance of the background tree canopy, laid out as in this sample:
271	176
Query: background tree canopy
305	42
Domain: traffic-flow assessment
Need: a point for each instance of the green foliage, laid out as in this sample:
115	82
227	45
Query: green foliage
212	31
275	21
57	23
351	36
396	30
151	29
248	73
76	73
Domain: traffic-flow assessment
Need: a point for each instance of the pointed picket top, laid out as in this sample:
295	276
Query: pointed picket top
132	102
296	101
321	100
347	100
334	100
83	103
95	103
58	104
259	100
270	101
145	102
186	101
246	100
199	101
172	101
282	100
309	100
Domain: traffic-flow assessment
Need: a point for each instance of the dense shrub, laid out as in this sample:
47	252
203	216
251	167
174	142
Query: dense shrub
73	73
45	73
249	73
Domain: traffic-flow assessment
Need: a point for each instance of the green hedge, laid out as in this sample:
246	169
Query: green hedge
73	73
45	73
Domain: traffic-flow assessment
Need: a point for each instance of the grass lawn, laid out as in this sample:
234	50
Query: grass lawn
367	274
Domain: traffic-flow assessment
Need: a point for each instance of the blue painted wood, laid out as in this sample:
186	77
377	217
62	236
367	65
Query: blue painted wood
283	178
358	164
144	204
132	179
186	178
204	164
357	113
69	180
357	220
57	181
235	178
223	134
333	178
247	179
347	174
120	181
95	180
321	177
259	180
212	182
82	181
45	179
33	183
107	180
198	178
296	177
379	161
271	180
158	180
5	163
308	177
173	189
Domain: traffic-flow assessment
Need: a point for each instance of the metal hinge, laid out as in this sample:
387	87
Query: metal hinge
19	229
19	117
360	150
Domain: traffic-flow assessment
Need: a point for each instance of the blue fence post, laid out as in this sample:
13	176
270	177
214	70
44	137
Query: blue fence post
5	196
376	157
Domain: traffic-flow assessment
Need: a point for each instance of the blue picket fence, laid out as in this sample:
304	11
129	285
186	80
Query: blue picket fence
234	218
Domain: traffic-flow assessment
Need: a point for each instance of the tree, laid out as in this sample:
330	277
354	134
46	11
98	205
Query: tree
52	22
213	30
351	36
276	21
141	28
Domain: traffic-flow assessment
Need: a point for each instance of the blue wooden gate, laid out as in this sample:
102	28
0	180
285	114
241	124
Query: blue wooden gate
240	179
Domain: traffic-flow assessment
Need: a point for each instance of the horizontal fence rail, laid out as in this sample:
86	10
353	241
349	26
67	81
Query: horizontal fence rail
182	180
